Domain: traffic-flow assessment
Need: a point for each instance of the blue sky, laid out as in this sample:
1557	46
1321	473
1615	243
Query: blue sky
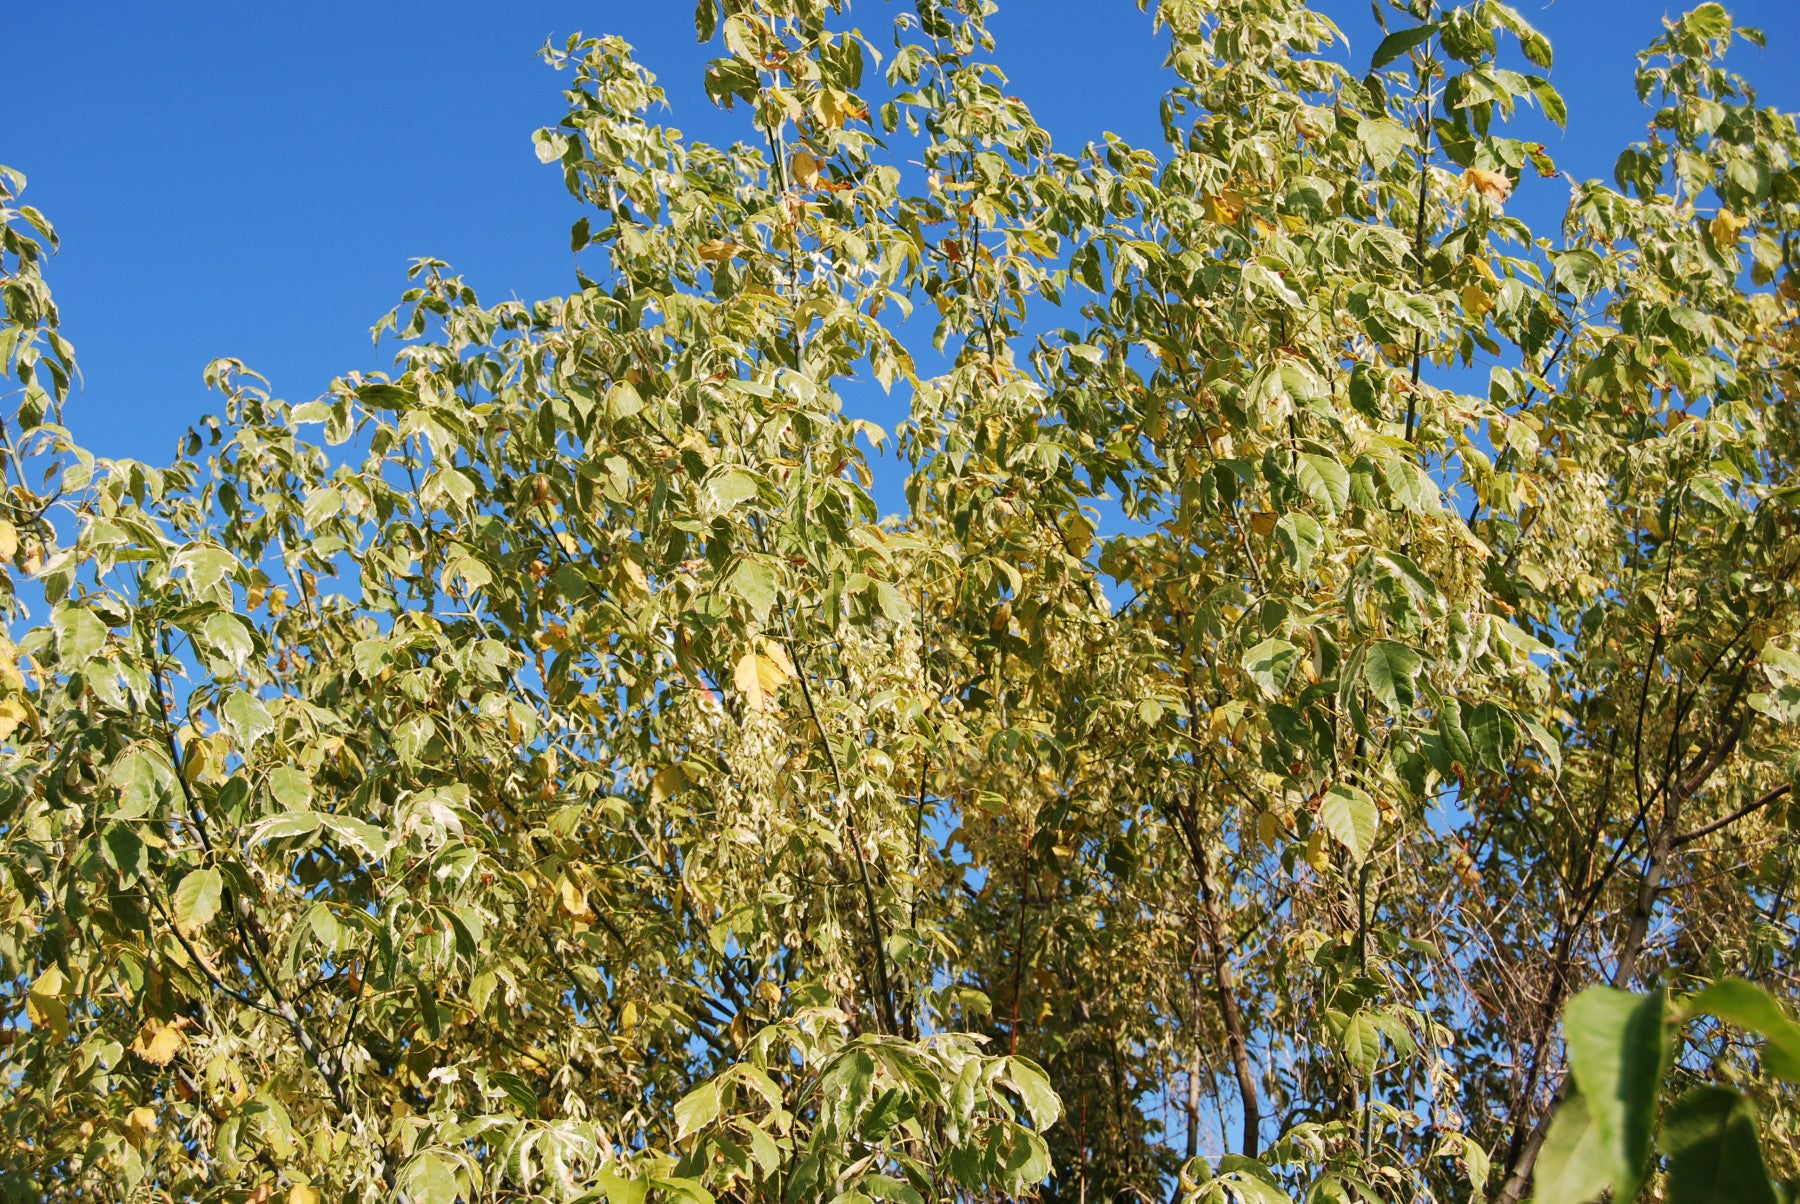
251	179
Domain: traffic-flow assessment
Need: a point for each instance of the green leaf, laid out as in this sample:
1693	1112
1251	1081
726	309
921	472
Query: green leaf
79	633
1453	736
386	397
1715	1156
1492	734
1708	20
1571	1168
754	582
697	1109
294	823
1362	1043
144	781
126	852
429	1015
430	1178
619	1189
246	717
1389	669
763	1148
1300	536
209	568
1547	744
366	838
1551	100
684	1189
1033	1086
1383	139
228	639
1324	480
1271	663
518	1092
1400	42
196	900
1537	49
1617	1050
1352	818
892	602
291	787
731	486
1749	1007
1251	1180
1576	270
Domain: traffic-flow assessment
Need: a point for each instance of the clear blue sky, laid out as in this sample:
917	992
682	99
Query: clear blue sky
250	179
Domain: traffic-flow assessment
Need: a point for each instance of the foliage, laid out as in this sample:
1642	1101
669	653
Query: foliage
1600	1137
1332	624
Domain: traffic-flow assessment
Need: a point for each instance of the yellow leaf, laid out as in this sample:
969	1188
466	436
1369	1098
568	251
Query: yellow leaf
759	675
771	674
574	899
804	169
666	784
158	1043
749	681
199	759
9	540
718	250
1268	827
778	655
1496	186
1078	536
1725	229
1475	300
44	1005
1224	207
628	1017
1316	854
839	107
1262	521
300	1193
12	715
142	1118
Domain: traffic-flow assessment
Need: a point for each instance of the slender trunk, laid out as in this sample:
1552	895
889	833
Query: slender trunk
1648	888
1193	1106
1213	932
1225	979
1018	982
1193	1083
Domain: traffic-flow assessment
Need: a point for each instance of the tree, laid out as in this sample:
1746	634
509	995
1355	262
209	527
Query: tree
541	771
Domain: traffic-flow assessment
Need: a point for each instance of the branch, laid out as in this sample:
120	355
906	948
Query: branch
1749	808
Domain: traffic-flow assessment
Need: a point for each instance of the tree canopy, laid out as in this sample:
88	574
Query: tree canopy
1334	629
